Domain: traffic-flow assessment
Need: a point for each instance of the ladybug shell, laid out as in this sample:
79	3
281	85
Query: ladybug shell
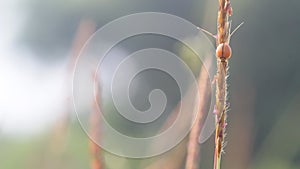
223	51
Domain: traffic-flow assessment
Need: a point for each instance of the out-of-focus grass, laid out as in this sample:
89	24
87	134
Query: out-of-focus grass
37	152
17	153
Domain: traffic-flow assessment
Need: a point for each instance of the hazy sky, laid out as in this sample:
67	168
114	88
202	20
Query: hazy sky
31	94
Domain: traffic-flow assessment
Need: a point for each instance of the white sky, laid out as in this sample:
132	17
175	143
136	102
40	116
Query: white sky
31	94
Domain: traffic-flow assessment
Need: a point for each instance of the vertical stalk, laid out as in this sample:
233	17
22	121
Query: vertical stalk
95	130
223	36
220	109
224	12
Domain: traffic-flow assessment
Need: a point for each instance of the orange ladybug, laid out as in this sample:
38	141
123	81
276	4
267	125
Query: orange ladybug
223	51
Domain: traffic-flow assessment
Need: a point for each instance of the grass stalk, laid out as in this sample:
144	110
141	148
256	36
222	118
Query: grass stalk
95	123
221	107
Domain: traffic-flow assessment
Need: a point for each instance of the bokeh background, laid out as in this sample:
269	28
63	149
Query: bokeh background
40	40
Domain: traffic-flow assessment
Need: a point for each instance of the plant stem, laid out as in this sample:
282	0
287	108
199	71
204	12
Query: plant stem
95	130
223	36
221	93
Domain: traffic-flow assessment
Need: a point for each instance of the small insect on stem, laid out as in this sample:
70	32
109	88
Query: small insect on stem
223	51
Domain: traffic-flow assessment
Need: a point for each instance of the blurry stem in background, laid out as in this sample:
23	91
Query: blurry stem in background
193	158
95	130
85	30
223	37
174	158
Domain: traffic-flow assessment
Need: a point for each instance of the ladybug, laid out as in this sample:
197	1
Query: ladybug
223	51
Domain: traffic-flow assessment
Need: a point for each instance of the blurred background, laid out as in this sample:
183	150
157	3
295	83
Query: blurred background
41	39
